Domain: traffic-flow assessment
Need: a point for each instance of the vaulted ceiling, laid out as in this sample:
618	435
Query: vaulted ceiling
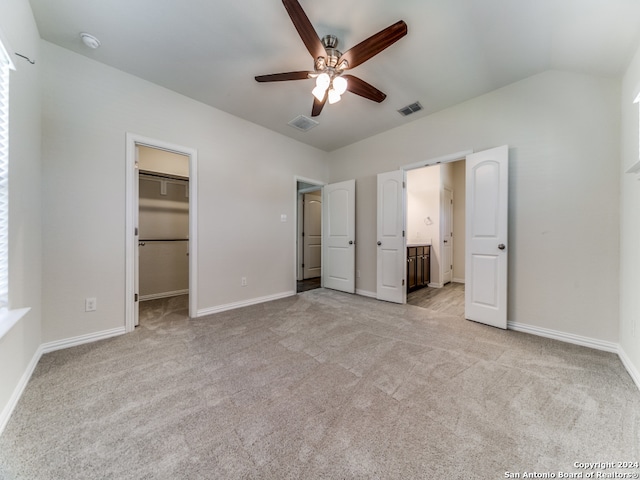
211	50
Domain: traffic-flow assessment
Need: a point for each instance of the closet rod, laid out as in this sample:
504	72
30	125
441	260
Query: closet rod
163	175
163	240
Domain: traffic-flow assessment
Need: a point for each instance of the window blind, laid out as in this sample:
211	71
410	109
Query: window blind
5	65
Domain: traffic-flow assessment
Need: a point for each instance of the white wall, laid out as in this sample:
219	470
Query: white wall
19	346
245	182
423	200
630	223
563	133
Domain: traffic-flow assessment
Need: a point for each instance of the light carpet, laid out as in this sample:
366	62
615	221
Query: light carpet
320	385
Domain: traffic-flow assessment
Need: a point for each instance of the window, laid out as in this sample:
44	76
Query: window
635	168
5	66
8	318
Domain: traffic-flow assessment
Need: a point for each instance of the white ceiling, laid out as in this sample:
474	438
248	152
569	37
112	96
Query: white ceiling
210	50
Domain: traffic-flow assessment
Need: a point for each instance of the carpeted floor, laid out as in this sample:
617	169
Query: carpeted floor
320	385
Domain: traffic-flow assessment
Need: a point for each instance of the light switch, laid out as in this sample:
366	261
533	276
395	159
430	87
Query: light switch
283	217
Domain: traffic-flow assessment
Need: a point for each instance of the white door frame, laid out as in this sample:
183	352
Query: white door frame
131	205
296	206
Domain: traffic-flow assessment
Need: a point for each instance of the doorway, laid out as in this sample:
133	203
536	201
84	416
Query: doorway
485	233
436	225
161	224
308	236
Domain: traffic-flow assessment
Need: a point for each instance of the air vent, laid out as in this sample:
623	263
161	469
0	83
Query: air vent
409	109
303	123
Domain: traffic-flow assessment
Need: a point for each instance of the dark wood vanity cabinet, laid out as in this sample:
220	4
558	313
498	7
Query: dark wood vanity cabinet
418	267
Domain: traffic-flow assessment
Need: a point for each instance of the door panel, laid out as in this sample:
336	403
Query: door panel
312	239
136	255
391	264
486	236
338	242
447	238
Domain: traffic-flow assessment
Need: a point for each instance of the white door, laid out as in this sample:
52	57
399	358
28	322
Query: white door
339	236
391	244
312	235
486	236
136	223
447	235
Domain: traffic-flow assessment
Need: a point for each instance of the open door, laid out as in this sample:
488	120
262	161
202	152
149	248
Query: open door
487	175
338	236
446	232
136	222
391	240
312	235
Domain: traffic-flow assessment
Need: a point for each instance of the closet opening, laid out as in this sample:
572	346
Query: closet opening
163	223
161	253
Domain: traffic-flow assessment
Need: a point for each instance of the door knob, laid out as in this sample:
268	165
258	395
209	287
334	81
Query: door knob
502	246
445	241
350	242
379	243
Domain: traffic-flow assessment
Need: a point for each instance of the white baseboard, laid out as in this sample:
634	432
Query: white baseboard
19	390
633	371
436	285
564	337
46	348
81	340
458	280
243	303
366	293
155	296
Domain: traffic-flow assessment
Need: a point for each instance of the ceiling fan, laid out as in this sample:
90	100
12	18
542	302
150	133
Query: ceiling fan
330	64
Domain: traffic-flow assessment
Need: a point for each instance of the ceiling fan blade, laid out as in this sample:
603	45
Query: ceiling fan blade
362	88
318	105
305	29
374	44
281	77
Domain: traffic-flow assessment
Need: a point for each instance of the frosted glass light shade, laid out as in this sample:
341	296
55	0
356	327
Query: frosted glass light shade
319	92
334	96
323	80
340	85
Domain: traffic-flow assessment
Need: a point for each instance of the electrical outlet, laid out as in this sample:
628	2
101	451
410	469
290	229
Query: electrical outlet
90	304
243	282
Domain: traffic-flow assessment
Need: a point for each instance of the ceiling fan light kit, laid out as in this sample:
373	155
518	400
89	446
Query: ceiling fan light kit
330	64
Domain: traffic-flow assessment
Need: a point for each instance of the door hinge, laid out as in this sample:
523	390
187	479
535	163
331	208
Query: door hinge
303	234
403	282
403	233
404	185
303	265
135	231
135	297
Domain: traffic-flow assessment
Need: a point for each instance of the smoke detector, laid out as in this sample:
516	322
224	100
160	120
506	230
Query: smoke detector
89	40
